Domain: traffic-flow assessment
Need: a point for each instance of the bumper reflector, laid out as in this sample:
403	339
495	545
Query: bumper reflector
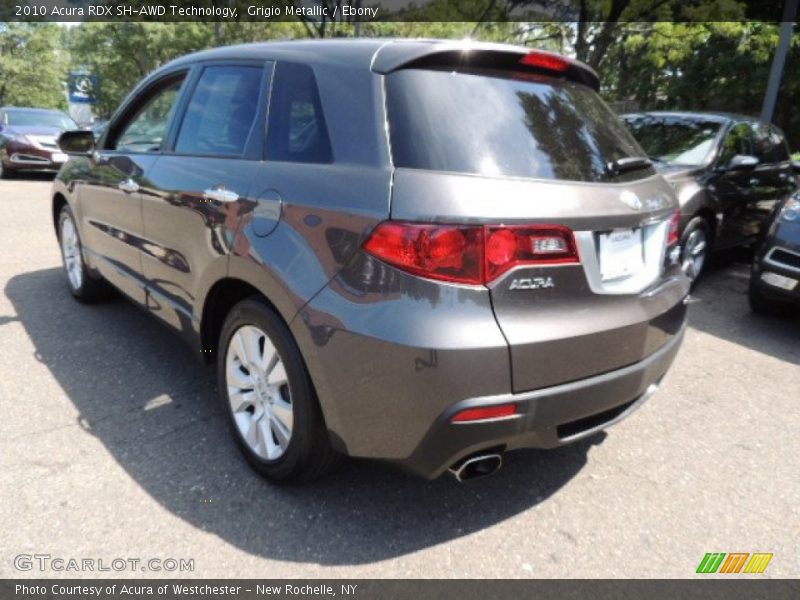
485	413
780	281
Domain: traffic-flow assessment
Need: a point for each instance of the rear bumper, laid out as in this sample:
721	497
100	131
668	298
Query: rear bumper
545	418
392	355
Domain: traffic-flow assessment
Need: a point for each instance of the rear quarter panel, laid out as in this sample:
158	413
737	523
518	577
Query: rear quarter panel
326	212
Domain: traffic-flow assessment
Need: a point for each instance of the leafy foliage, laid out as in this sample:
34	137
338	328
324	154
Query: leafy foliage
121	54
701	66
32	65
645	61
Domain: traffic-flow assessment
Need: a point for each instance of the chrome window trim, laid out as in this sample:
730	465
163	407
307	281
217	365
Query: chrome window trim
29	159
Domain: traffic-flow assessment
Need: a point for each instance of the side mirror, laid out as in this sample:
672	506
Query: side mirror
742	162
796	166
76	142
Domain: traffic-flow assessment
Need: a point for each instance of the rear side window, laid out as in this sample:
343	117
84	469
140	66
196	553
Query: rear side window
770	147
781	145
221	111
500	124
296	131
675	139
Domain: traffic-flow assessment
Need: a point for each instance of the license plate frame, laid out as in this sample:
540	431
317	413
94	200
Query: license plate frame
621	253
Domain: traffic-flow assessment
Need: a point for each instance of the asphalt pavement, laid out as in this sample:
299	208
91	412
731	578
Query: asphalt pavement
112	446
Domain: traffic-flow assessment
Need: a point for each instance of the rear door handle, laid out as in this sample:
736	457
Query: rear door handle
220	194
128	186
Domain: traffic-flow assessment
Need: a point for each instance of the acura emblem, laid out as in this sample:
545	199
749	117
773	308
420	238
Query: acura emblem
631	200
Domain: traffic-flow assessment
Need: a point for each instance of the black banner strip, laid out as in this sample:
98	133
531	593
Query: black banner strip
731	588
366	11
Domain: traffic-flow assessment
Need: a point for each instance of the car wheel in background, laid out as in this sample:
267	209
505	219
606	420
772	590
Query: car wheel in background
268	396
694	247
82	284
5	172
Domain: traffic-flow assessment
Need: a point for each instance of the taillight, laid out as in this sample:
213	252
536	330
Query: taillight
674	228
543	60
448	253
485	413
507	247
469	254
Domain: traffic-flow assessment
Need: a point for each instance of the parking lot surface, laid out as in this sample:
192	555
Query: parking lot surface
112	446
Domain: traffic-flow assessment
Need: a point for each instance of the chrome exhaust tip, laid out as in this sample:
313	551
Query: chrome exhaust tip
474	467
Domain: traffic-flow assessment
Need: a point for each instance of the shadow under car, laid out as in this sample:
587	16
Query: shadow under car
139	390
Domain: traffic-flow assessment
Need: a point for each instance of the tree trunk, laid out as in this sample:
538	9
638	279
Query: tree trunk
581	43
607	33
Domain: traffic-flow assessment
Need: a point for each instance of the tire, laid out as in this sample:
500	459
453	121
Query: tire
274	416
82	284
5	172
695	244
762	305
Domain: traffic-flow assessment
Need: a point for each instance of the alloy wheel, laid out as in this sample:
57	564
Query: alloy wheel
258	392
694	253
71	249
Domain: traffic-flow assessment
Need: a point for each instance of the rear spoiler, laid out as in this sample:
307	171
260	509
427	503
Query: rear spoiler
402	54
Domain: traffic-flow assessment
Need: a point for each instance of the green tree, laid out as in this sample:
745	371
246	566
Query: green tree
718	66
121	54
589	29
485	31
32	65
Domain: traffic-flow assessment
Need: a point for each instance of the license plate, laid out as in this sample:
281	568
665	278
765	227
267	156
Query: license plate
621	254
58	157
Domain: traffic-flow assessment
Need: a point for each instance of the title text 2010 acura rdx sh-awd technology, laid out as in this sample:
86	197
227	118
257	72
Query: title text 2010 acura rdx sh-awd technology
416	251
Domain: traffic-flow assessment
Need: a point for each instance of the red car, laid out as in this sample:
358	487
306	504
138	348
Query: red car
28	139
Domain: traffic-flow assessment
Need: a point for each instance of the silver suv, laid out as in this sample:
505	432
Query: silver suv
422	252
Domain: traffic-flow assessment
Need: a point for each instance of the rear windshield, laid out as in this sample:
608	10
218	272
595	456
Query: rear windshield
496	124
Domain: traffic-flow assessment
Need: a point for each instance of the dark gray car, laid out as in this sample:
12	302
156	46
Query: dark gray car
729	172
775	276
422	252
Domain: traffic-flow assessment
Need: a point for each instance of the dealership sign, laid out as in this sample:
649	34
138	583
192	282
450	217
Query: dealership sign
82	88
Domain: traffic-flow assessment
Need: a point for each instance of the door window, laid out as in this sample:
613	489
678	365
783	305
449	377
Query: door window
737	141
221	112
780	147
297	131
147	127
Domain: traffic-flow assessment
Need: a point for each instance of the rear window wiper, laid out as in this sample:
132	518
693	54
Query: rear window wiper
629	163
